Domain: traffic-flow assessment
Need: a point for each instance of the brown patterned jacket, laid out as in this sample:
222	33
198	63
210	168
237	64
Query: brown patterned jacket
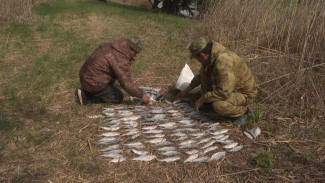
110	61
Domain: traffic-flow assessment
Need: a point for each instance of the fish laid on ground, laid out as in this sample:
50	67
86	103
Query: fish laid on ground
131	118
167	148
197	134
137	145
172	111
114	122
204	140
149	128
110	128
235	149
208	144
186	122
191	158
108	110
117	160
156	140
131	133
109	142
189	146
217	137
209	149
167	124
153	131
179	134
135	136
220	132
165	143
201	160
112	147
144	158
170	127
217	156
107	155
170	153
170	159
158	135
191	152
157	111
248	135
182	138
139	152
187	142
231	145
225	141
110	134
224	138
110	114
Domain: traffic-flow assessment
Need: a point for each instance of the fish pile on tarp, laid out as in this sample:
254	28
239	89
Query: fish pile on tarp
167	134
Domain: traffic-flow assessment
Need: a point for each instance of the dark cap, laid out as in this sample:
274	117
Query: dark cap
134	43
197	46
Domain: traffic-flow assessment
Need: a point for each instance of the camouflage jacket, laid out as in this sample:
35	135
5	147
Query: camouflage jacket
110	61
225	74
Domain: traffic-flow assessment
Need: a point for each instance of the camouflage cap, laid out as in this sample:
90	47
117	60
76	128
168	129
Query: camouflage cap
197	46
134	43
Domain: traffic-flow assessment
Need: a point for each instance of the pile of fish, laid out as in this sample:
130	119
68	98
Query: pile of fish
152	93
170	133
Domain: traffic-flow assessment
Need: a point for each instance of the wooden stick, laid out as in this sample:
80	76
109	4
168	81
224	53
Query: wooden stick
91	149
84	128
238	172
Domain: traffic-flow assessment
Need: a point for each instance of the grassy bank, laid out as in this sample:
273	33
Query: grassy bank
45	136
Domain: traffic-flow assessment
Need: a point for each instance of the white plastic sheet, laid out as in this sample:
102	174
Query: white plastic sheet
185	79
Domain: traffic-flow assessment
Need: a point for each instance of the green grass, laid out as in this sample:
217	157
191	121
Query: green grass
264	159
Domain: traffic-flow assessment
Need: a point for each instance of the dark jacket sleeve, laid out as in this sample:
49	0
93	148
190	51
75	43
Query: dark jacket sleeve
123	74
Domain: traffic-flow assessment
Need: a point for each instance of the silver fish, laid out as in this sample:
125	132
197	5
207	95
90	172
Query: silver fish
165	143
139	152
189	146
224	137
110	114
191	129
135	136
110	128
212	148
168	124
214	125
208	144
170	127
217	156
109	142
144	158
187	142
149	128
179	130
201	160
115	151
189	125
110	134
225	141
106	139
220	132
131	118
191	158
237	148
217	137
114	122
131	133
159	135
197	134
117	160
112	147
108	110
200	136
170	153
156	140
153	131
167	148
204	140
230	146
170	159
182	138
137	145
248	135
186	122
172	111
178	134
191	152
157	111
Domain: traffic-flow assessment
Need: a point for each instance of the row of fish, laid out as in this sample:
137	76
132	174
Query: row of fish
169	133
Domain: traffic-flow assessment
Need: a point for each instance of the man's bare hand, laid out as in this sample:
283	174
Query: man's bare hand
145	99
181	94
198	103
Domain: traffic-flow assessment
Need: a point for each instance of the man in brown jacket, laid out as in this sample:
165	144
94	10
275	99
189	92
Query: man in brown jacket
109	62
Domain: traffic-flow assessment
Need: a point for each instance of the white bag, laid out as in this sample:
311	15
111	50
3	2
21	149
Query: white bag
185	79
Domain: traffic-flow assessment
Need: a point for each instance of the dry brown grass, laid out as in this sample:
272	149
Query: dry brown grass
283	42
140	3
18	10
